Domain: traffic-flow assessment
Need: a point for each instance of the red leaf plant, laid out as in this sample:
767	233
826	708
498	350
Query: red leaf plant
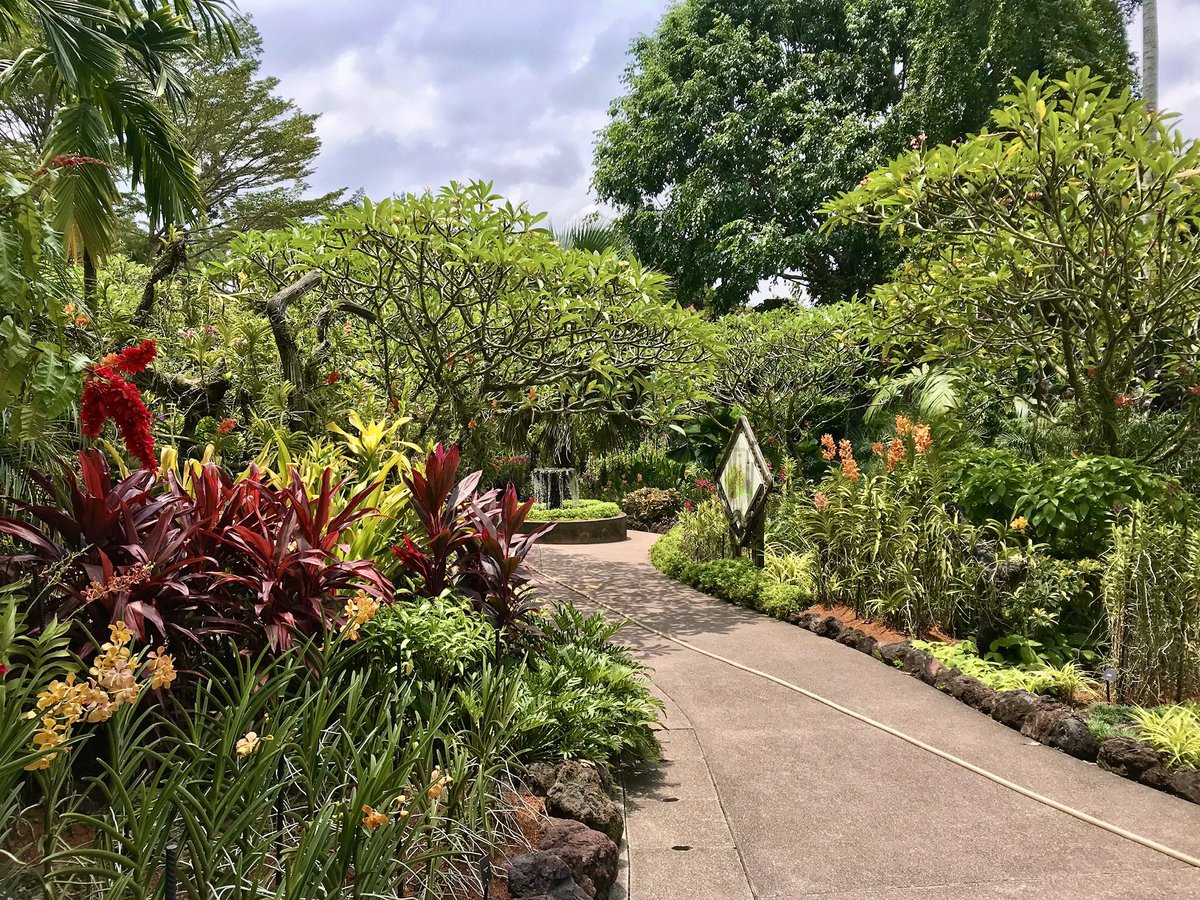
115	550
471	543
283	548
107	395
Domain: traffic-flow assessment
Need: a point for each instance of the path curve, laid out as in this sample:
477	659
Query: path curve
777	796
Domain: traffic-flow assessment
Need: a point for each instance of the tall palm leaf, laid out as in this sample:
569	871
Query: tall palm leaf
115	68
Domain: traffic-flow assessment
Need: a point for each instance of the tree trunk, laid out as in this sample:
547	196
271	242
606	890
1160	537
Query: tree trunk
291	362
89	278
1150	53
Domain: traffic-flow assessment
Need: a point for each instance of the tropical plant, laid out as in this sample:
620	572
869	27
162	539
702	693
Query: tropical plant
114	75
1173	731
1151	592
574	510
995	227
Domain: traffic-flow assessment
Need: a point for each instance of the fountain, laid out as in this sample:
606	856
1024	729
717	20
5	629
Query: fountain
552	487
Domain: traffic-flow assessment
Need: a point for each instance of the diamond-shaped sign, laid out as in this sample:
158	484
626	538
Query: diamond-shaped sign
743	479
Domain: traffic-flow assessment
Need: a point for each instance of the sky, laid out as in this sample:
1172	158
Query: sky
415	94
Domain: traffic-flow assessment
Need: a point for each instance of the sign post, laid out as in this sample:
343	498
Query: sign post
743	482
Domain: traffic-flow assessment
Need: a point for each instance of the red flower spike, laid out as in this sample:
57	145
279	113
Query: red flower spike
107	395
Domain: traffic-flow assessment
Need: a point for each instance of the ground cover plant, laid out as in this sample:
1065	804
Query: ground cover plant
572	510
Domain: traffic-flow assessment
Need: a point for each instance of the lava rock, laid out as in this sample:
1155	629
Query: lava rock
591	856
1012	708
581	792
796	618
893	654
540	777
857	640
542	874
830	627
920	664
980	696
1128	758
1186	783
1057	725
942	681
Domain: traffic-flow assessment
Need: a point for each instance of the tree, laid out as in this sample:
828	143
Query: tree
472	316
741	119
1061	254
255	150
1150	52
113	75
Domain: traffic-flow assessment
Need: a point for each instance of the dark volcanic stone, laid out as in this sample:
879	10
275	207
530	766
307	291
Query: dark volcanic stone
540	777
581	792
893	654
1057	725
830	627
1127	757
858	640
1186	783
591	856
942	681
980	696
542	874
1012	708
921	665
809	620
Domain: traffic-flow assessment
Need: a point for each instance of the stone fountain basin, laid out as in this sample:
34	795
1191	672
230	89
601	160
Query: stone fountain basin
581	531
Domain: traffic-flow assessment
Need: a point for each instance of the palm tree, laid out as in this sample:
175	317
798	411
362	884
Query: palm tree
113	71
1150	52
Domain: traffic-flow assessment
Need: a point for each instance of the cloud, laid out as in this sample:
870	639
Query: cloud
414	93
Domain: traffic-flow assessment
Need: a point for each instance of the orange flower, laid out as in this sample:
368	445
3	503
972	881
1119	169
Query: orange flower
1020	523
472	425
877	449
896	453
922	439
82	321
903	426
820	502
828	449
372	818
1123	401
226	426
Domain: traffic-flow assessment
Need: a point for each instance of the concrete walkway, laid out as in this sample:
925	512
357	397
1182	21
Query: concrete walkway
765	793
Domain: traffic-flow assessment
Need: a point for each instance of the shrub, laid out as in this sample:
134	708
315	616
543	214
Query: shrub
1173	731
1151	590
704	532
612	475
438	640
666	554
575	510
652	508
1062	683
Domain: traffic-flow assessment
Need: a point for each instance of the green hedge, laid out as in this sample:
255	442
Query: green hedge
575	510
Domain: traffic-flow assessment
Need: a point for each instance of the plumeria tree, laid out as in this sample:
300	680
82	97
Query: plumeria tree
1058	253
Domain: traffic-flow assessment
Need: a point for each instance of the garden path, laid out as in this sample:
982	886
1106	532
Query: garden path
776	796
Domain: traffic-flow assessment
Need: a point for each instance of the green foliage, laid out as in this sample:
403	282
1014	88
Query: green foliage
996	226
574	510
1063	682
704	532
437	640
740	120
589	693
513	335
614	474
1151	592
1173	731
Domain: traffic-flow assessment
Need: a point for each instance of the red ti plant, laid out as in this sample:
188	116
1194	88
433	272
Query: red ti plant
111	551
504	593
282	546
443	508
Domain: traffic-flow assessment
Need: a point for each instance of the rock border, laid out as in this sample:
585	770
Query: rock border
577	852
1042	719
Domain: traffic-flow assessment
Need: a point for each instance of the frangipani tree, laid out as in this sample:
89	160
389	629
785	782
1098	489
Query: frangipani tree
475	316
1059	252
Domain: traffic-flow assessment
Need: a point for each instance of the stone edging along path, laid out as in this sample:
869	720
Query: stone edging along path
1046	721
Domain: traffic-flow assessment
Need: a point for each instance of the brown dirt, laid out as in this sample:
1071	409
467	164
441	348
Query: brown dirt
529	814
877	630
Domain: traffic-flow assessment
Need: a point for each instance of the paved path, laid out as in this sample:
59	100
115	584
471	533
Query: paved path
767	794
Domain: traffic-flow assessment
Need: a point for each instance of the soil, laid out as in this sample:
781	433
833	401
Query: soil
877	630
529	814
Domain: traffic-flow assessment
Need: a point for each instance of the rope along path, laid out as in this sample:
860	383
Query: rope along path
909	739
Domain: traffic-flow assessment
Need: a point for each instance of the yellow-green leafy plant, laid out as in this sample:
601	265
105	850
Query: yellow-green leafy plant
1173	731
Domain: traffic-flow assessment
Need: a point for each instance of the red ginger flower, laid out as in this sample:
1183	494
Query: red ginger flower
107	395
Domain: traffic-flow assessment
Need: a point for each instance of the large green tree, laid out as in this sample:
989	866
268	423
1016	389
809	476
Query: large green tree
1058	256
741	118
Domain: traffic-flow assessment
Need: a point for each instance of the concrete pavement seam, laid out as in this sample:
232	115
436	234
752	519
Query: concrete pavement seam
887	729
